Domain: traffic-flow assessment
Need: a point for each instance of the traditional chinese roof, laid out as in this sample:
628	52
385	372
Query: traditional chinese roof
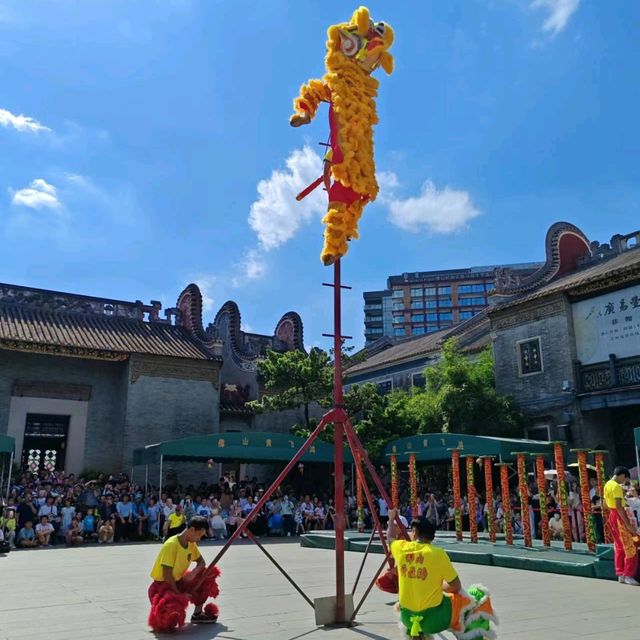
25	328
473	335
589	278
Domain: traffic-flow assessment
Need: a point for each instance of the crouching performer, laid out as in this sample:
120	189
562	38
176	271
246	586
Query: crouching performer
174	586
430	594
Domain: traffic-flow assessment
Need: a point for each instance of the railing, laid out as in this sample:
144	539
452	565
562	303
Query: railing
614	374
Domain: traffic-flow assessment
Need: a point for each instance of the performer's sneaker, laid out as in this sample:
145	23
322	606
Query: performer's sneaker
203	618
632	581
621	579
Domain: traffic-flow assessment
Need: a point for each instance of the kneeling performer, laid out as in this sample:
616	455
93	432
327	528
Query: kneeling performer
174	586
430	594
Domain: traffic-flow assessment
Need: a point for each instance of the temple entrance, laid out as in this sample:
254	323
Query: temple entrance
45	442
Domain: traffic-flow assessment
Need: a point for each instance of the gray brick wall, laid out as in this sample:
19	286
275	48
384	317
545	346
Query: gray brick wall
104	421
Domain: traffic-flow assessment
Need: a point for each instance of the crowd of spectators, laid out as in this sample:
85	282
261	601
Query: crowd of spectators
53	508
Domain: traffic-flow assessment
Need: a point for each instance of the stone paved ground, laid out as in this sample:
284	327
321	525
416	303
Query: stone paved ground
100	592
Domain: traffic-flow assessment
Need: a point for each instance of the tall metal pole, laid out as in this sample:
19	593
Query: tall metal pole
457	498
562	494
338	443
9	478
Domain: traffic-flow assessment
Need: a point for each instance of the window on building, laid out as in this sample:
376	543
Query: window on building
397	318
399	331
538	432
374	331
466	315
429	291
490	286
472	302
416	293
431	328
373	307
417	331
444	290
530	356
384	387
471	288
398	293
417	317
431	317
444	302
445	316
417	304
431	304
417	380
398	306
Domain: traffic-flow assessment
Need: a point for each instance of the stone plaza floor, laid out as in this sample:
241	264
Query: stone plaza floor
100	592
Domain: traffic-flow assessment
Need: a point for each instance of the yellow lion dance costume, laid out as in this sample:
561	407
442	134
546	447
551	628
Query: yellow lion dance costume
354	50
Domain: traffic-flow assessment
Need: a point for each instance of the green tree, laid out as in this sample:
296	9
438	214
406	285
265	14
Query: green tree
295	379
460	396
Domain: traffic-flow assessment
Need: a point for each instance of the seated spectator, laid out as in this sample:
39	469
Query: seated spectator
50	510
275	524
89	525
153	518
556	528
124	519
106	532
217	526
44	530
74	534
5	547
140	517
298	518
27	536
8	527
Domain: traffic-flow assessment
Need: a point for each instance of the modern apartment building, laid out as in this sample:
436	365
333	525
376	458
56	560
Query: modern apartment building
422	302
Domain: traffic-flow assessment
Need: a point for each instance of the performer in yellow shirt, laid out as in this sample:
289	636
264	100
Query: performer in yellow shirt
431	596
622	530
174	586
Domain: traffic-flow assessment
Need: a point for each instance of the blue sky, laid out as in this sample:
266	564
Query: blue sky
145	145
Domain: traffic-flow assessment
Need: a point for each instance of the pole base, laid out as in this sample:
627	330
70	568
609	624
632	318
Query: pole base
325	609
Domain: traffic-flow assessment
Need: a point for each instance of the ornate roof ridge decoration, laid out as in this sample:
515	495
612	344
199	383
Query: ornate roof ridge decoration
230	308
566	248
296	340
59	301
189	311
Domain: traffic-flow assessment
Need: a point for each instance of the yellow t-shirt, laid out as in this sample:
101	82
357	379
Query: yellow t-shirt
173	554
175	520
612	490
421	570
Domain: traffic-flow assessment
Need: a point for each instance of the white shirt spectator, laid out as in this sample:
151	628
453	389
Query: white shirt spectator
44	528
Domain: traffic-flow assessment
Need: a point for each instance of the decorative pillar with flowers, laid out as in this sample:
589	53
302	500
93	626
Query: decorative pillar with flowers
488	483
589	524
457	497
394	481
471	500
600	472
413	485
523	491
542	494
506	501
562	494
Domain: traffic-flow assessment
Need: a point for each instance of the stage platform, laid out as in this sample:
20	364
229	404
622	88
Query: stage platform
555	559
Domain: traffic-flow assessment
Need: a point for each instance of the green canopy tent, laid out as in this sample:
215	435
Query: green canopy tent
436	447
7	450
257	446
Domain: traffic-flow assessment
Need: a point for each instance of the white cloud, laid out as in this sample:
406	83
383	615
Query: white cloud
252	267
276	216
246	327
439	211
21	122
38	195
206	284
559	13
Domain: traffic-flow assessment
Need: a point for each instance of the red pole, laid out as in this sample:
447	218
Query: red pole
338	443
523	490
562	494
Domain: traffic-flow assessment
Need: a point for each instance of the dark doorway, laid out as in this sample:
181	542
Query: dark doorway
45	442
623	421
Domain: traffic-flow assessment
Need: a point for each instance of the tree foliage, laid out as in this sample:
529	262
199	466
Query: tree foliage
294	379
